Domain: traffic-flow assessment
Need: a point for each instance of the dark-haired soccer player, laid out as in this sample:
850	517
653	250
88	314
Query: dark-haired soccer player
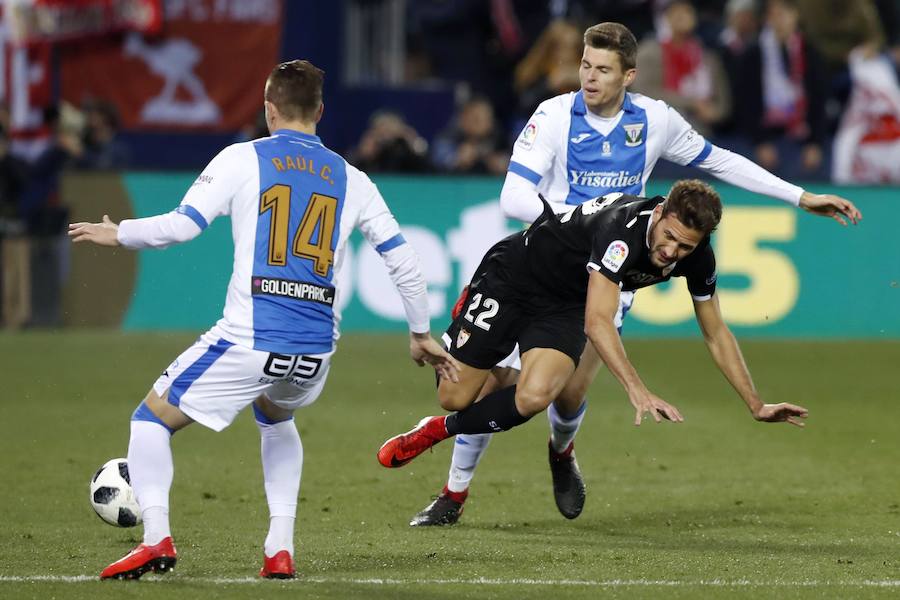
549	288
576	147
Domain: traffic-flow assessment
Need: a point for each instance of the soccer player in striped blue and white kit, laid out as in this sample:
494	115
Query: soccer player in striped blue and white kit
577	147
293	204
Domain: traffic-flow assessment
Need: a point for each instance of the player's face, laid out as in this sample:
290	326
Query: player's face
671	240
603	80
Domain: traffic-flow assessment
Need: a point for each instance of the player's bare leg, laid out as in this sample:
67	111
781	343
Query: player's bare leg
151	469
545	373
282	461
447	507
459	395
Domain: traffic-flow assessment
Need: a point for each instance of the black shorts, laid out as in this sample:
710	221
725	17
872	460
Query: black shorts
492	323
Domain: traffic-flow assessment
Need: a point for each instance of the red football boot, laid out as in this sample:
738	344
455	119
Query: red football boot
158	558
280	566
402	448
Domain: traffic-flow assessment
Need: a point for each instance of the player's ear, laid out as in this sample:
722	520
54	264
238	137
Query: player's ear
320	112
271	112
630	74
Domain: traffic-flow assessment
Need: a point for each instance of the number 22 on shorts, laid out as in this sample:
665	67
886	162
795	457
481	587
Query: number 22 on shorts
489	309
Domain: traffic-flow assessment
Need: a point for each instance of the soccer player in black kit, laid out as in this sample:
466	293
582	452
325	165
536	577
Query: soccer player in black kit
555	286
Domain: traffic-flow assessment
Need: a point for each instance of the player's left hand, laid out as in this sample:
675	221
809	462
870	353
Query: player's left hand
646	402
776	413
102	234
829	205
424	349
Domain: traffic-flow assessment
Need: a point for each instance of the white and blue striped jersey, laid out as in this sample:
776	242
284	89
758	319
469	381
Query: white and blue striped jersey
573	156
293	205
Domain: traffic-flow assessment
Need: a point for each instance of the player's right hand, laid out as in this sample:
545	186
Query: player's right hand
102	234
829	205
776	413
424	349
645	402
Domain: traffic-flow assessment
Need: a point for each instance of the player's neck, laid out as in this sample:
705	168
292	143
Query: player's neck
610	109
301	126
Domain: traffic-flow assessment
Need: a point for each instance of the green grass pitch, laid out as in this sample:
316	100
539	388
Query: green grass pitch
717	507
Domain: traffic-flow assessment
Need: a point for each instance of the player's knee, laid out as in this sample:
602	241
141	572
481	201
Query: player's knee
451	397
143	413
268	413
533	399
158	410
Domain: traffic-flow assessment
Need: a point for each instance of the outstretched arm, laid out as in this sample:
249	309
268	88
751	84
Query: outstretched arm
160	231
599	324
744	173
209	197
727	354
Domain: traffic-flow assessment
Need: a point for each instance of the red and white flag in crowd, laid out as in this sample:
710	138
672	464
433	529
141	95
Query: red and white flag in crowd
867	144
205	70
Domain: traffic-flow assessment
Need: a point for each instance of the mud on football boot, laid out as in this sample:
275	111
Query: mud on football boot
445	510
402	448
568	485
159	558
280	566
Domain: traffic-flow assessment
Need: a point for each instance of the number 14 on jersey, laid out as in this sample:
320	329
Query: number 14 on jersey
320	217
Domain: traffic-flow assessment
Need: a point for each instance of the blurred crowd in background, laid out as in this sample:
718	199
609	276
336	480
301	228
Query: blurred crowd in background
807	88
774	79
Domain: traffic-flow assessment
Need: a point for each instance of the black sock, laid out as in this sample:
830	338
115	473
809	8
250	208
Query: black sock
495	412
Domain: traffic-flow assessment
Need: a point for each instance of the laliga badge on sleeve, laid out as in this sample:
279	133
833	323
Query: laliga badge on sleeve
526	139
615	256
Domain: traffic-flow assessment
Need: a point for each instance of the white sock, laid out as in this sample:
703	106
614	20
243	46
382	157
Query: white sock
562	429
151	469
467	451
282	461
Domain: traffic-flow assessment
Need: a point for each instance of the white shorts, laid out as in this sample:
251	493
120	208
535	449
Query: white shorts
626	299
214	380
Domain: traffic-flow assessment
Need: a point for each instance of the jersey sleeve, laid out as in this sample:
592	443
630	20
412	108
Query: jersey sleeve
160	231
375	221
535	148
211	194
701	276
744	173
611	256
381	230
683	146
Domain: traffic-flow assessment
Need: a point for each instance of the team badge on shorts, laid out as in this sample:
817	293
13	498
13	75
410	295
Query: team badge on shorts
462	337
615	256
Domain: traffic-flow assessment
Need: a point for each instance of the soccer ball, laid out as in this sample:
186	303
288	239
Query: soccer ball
111	494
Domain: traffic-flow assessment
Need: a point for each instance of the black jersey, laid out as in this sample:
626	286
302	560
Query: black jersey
553	258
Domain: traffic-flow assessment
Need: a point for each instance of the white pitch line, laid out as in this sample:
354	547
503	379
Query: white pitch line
612	583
